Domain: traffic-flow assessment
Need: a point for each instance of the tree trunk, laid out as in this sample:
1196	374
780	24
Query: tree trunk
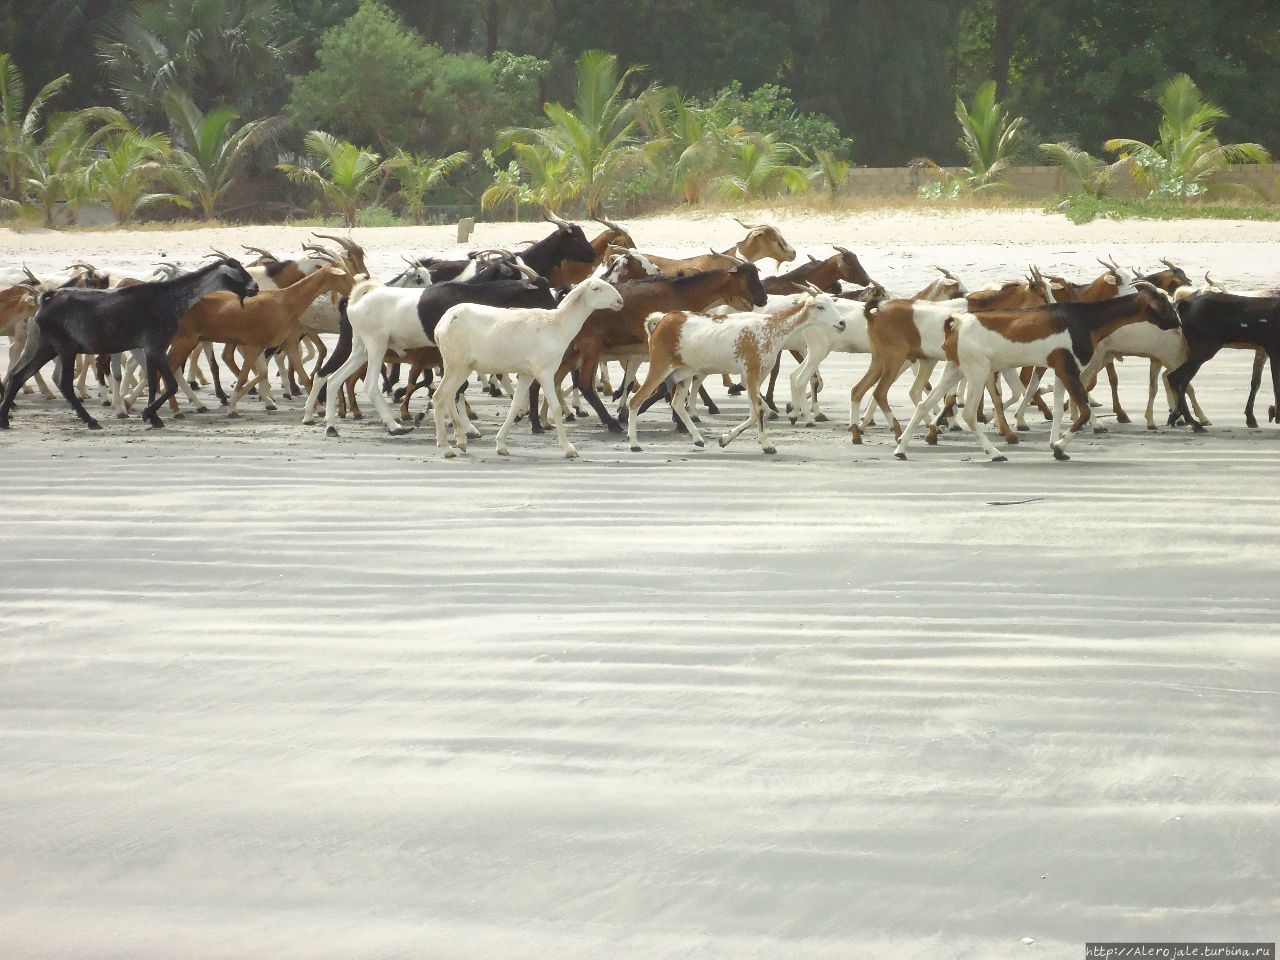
492	15
1002	45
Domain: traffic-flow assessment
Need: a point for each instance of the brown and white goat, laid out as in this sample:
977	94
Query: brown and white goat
686	345
1061	336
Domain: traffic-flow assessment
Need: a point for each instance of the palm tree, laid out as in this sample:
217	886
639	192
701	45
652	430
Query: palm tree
537	174
699	142
419	174
599	136
226	51
1096	177
762	166
19	121
343	174
1185	154
57	169
133	164
830	170
211	150
988	137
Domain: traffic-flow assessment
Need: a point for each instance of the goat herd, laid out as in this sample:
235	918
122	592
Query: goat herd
558	312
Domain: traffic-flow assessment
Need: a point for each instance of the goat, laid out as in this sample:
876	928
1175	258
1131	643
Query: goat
1212	321
824	274
567	243
571	272
761	242
142	317
946	287
380	319
524	340
270	320
688	345
622	334
1063	336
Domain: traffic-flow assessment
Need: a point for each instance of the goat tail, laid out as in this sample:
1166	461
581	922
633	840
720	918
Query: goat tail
359	290
652	321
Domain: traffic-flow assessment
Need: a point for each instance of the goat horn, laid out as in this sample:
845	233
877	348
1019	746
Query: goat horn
322	253
946	273
260	252
215	252
1168	264
816	291
524	268
556	219
1208	280
30	276
610	224
747	226
350	246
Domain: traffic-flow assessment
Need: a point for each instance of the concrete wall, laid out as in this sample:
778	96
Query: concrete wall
1032	183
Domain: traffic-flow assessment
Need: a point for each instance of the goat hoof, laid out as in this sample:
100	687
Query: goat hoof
330	431
571	453
635	448
1023	428
122	416
856	436
931	437
1099	429
272	409
736	389
570	416
193	384
699	444
503	452
900	456
4	424
1059	454
792	419
1151	426
202	409
773	414
770	450
179	414
999	458
724	441
1012	438
106	403
713	410
822	417
399	431
1198	428
615	427
93	424
473	434
1251	423
309	422
156	424
233	414
1122	417
450	453
419	418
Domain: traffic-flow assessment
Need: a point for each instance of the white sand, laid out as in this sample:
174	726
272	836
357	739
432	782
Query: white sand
267	694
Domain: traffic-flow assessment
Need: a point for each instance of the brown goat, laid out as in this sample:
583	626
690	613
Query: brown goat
270	320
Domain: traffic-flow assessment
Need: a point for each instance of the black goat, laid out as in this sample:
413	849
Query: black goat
141	317
567	243
1212	321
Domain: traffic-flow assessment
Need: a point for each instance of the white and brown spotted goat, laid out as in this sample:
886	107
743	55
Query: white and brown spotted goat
686	345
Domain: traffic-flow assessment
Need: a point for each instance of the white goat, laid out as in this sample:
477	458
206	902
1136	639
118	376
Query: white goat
527	341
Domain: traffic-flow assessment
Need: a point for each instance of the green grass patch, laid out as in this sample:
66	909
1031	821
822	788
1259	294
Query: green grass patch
1082	208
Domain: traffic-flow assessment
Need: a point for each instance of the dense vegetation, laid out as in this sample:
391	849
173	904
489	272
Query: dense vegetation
268	107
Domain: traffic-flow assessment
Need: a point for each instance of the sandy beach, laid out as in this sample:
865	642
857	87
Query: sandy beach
270	694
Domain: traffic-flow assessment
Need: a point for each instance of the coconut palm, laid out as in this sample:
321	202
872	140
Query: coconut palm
988	137
829	170
537	174
57	169
762	166
419	173
20	121
698	142
217	51
1186	154
126	176
599	136
1095	176
343	174
210	150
